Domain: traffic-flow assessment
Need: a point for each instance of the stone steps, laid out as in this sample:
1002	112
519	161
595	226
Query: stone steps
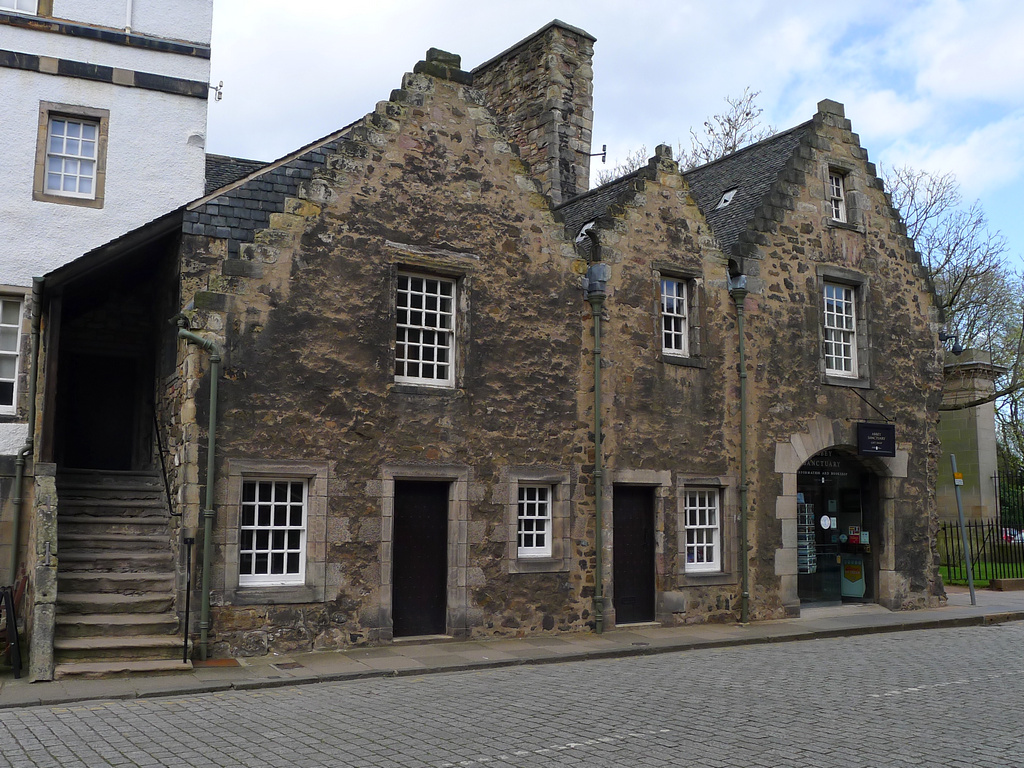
123	583
116	577
116	560
136	648
101	525
134	542
99	625
114	602
105	504
100	669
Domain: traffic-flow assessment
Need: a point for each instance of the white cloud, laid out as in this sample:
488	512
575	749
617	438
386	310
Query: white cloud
986	159
885	115
966	49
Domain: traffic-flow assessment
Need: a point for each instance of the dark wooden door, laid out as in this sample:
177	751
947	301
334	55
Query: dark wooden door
633	553
419	557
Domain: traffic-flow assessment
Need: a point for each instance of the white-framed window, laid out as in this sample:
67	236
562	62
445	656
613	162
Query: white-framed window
837	195
534	530
22	6
703	530
272	532
840	330
71	155
10	342
675	326
425	330
72	149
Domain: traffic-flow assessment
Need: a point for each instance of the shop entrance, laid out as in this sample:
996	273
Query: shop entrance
837	499
419	577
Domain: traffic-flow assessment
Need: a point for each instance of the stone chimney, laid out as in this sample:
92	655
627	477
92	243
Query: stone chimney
541	90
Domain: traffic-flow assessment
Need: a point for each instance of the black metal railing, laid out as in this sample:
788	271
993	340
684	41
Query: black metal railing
996	550
163	466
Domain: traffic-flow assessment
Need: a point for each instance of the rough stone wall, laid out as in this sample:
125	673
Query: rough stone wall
792	240
542	92
428	183
669	422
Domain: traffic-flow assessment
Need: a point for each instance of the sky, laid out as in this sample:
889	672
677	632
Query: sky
936	84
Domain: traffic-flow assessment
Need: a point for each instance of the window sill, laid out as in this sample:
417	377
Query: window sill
846	225
684	361
538	565
843	381
81	202
268	595
424	389
705	579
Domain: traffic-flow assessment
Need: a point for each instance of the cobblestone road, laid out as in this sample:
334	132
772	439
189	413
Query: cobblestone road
950	697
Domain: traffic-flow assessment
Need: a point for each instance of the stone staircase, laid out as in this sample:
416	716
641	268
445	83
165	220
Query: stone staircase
115	579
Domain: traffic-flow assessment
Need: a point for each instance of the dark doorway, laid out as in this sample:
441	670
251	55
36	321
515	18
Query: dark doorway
633	553
836	531
419	557
100	410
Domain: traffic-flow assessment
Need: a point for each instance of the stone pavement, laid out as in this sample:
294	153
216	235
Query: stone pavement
418	658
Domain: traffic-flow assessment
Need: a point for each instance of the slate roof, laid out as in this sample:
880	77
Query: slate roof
237	213
222	170
751	171
593	204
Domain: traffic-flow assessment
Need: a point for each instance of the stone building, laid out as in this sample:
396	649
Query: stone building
376	400
100	99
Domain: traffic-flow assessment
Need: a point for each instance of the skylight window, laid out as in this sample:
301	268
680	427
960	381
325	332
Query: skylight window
727	197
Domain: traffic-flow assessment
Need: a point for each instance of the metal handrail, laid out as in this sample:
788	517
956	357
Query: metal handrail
163	466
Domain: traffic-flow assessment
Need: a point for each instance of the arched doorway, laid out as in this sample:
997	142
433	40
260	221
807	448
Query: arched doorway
837	528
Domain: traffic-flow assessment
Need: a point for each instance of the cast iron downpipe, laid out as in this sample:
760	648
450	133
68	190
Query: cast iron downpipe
29	448
738	292
597	280
211	444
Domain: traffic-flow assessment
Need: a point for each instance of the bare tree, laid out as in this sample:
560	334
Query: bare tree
969	265
634	161
723	134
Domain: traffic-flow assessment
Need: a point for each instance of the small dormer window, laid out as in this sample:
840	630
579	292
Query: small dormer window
727	197
837	195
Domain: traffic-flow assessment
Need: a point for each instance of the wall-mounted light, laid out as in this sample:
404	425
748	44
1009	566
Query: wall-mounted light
945	336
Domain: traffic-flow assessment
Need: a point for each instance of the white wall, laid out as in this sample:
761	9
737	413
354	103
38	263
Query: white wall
155	162
156	141
188	20
107	54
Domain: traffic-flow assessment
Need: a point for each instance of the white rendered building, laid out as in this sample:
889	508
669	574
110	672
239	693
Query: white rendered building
104	116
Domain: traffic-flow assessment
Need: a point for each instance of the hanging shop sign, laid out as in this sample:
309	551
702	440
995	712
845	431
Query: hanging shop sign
876	439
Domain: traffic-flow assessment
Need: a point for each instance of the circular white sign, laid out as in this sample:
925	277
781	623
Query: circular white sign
826	522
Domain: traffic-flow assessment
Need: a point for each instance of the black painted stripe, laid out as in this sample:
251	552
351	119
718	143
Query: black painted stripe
113	36
84	71
15	60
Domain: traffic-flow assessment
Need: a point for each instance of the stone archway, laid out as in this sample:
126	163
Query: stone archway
790	455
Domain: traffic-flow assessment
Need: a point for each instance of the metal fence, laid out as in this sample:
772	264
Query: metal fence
997	551
1010	485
